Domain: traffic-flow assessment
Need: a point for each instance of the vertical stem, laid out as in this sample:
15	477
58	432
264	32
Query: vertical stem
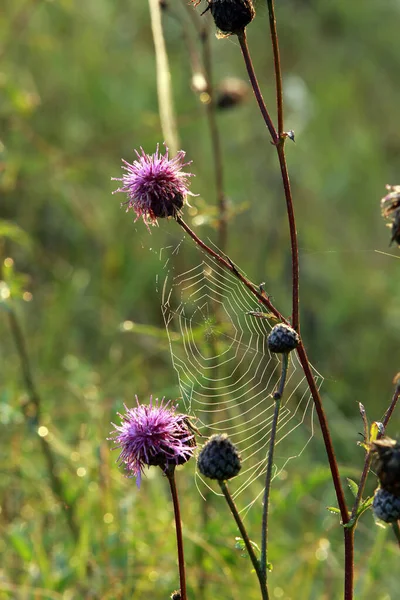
246	539
270	463
279	145
277	65
348	563
392	406
178	526
33	412
215	142
165	104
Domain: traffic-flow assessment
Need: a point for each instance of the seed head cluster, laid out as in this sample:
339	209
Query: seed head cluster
390	207
282	339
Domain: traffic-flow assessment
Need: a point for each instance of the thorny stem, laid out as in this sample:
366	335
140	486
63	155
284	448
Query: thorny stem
278	141
246	539
32	412
229	266
178	525
268	477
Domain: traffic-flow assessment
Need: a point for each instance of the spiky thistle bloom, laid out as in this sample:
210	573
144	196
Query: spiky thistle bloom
156	185
152	434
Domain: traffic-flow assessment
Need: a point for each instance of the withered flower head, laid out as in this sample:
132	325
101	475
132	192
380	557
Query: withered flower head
387	464
230	16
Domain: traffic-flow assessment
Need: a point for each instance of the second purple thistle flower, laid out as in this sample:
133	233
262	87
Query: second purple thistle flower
156	185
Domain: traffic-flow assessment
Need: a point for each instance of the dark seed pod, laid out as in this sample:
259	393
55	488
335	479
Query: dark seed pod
387	464
231	16
176	595
219	458
282	339
386	506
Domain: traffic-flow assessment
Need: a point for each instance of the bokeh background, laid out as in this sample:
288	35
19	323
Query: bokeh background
77	93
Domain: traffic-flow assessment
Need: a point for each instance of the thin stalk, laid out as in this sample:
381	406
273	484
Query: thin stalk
369	454
215	142
229	266
32	411
392	406
278	142
178	527
268	477
164	90
277	65
246	539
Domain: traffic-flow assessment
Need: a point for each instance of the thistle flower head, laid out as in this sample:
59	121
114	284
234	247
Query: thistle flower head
152	434
156	185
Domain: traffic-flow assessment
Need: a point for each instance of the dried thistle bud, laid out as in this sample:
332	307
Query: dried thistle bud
231	16
176	595
387	464
219	458
386	506
231	92
282	339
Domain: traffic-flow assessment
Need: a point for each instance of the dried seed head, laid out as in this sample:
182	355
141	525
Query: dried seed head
231	16
282	339
386	506
176	595
387	464
219	458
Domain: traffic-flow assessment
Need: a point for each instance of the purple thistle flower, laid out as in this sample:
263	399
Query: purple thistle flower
155	184
153	435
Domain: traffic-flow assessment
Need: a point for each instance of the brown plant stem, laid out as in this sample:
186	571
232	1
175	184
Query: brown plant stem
229	266
32	411
392	406
245	538
279	142
178	525
277	65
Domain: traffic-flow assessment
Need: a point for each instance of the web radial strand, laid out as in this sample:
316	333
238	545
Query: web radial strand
225	371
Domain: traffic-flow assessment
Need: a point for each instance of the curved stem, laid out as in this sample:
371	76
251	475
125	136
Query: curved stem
277	65
246	539
178	525
268	476
256	88
229	266
278	141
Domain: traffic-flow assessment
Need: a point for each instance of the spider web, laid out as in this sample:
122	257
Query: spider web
225	371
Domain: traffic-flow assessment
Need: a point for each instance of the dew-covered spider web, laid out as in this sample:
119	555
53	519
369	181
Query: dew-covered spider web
225	371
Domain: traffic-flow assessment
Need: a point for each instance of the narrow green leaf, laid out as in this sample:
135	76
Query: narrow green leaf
353	487
333	509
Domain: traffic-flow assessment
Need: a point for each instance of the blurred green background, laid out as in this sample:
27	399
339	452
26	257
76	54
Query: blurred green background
77	93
